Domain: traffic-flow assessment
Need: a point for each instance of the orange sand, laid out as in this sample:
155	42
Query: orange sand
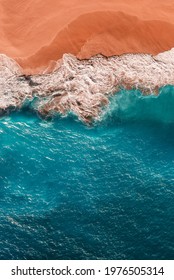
35	32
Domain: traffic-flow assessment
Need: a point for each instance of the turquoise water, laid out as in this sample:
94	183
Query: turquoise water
68	191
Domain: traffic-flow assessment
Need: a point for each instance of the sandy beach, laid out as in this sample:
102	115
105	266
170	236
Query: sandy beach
36	33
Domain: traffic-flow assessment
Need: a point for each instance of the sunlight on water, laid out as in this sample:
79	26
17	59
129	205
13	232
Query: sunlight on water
68	191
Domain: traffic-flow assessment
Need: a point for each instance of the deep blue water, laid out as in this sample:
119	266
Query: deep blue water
68	191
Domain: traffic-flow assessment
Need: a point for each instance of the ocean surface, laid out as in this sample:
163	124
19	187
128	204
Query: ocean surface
105	191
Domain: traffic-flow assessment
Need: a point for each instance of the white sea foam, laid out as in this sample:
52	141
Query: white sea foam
83	86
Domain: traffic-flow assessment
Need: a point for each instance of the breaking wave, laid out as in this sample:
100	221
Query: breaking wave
71	191
132	105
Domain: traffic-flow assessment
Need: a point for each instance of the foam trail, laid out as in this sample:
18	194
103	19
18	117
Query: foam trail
132	105
84	87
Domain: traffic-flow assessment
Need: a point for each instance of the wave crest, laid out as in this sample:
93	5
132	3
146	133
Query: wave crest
132	105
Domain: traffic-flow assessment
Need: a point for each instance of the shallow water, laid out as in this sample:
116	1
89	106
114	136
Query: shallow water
68	191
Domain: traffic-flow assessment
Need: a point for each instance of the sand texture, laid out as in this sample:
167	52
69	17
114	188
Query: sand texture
36	33
71	56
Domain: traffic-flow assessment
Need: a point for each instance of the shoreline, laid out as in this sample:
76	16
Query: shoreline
35	34
84	86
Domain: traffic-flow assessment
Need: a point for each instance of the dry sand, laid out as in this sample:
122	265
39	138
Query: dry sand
36	32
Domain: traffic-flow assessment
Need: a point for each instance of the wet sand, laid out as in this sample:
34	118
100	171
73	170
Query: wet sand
37	33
